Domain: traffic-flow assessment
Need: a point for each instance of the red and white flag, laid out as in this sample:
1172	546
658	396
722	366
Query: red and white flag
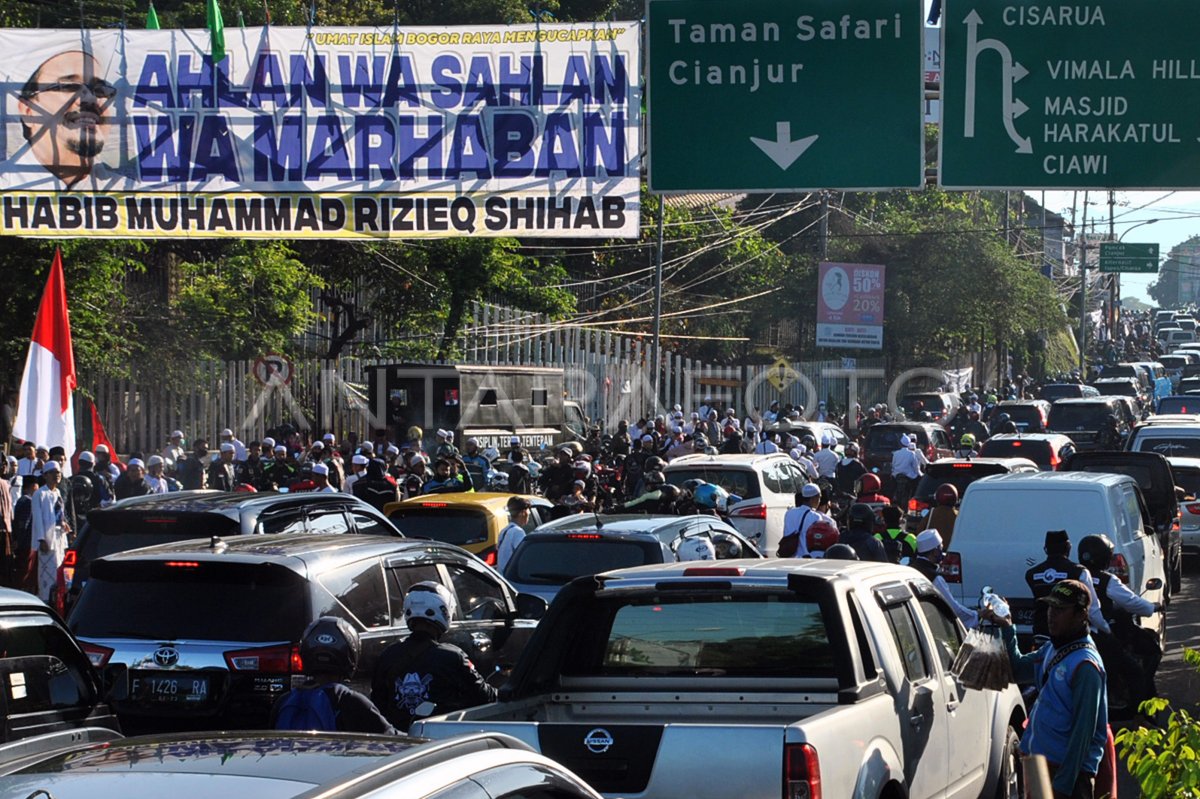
46	414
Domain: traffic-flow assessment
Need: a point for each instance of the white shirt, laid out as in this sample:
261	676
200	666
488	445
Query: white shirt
348	483
26	466
827	461
766	447
45	527
799	520
969	618
809	467
510	538
158	485
325	489
1124	599
172	453
239	449
909	462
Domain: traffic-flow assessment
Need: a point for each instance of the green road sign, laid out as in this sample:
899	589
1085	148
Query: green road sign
1117	256
759	95
1038	96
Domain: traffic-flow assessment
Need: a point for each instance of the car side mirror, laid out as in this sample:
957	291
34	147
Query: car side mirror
1154	584
530	606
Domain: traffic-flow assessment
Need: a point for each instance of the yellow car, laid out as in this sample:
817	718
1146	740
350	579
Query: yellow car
472	520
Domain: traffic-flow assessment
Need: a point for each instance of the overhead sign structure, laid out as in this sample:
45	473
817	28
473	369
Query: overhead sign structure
521	130
850	306
760	95
1117	256
1096	95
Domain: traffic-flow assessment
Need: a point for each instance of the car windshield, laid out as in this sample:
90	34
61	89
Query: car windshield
960	475
1173	361
111	532
934	403
1188	480
555	561
1037	451
1179	405
1122	388
1057	391
1077	417
174	600
457	526
887	439
743	482
1024	416
705	636
1169	446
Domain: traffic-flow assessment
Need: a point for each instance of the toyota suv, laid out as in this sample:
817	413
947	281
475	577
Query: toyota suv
182	515
207	634
1084	420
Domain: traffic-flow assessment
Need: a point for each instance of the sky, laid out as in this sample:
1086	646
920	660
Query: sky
1177	212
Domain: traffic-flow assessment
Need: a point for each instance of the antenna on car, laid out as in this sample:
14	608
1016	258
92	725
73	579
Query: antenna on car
217	544
599	524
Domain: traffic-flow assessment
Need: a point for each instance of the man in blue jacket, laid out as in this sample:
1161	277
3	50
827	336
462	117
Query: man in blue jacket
1069	721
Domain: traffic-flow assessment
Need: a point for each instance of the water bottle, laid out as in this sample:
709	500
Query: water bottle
992	601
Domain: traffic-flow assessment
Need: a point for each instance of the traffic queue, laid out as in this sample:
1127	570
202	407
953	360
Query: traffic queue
241	590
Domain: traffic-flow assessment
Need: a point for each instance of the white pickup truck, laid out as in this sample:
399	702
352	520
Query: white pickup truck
756	679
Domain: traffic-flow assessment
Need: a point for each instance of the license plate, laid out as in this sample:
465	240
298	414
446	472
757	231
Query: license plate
169	689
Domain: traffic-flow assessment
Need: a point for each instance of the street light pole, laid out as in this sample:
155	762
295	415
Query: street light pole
1083	293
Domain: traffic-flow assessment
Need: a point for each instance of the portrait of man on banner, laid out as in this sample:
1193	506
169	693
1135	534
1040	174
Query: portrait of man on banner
65	110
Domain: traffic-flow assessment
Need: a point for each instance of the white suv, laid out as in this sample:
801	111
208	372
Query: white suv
767	485
1169	438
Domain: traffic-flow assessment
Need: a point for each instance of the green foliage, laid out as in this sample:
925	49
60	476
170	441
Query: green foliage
253	300
1165	762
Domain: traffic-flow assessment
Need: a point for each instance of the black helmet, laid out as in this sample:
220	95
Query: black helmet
330	646
841	552
809	441
655	464
925	416
862	516
654	479
670	492
1096	552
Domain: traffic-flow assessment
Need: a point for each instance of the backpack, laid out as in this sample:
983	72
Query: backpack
307	709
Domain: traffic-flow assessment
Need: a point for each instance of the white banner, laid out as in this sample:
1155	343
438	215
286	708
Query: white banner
324	133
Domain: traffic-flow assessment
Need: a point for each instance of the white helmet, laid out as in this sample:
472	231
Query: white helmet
696	549
432	602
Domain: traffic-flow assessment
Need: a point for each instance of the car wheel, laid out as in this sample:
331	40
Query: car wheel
1009	785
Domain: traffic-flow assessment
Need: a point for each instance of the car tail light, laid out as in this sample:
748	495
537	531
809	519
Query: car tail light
801	772
951	568
584	537
1054	460
489	557
97	654
182	564
961	465
916	506
435	505
931	453
758	511
1193	508
714	571
281	659
1120	568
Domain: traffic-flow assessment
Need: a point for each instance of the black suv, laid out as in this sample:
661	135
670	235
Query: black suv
184	515
959	472
1083	420
49	685
207	634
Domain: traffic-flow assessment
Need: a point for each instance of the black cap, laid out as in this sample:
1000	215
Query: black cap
1068	594
1057	539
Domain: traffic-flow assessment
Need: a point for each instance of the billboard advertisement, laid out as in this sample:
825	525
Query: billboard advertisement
521	130
850	306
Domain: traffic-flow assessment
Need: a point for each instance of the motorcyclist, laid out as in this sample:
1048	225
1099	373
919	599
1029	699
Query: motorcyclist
1057	567
868	490
557	479
797	520
442	482
696	548
840	551
861	534
967	447
1130	650
376	488
819	537
908	464
849	469
710	499
420	675
944	513
900	544
1003	423
657	498
330	651
826	458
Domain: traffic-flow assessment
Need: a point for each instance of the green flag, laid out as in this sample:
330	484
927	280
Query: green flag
216	27
152	19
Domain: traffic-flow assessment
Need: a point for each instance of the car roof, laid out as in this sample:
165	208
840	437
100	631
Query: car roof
222	501
296	551
1000	461
12	599
1179	462
490	500
1049	480
1011	403
770	568
738	459
275	763
1101	400
624	523
1053	438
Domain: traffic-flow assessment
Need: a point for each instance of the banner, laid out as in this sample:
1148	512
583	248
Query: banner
850	306
523	130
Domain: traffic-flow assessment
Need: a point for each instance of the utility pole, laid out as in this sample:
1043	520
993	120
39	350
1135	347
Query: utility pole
656	376
824	225
1083	293
1114	313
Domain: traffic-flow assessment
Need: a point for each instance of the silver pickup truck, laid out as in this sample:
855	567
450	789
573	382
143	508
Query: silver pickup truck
759	679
